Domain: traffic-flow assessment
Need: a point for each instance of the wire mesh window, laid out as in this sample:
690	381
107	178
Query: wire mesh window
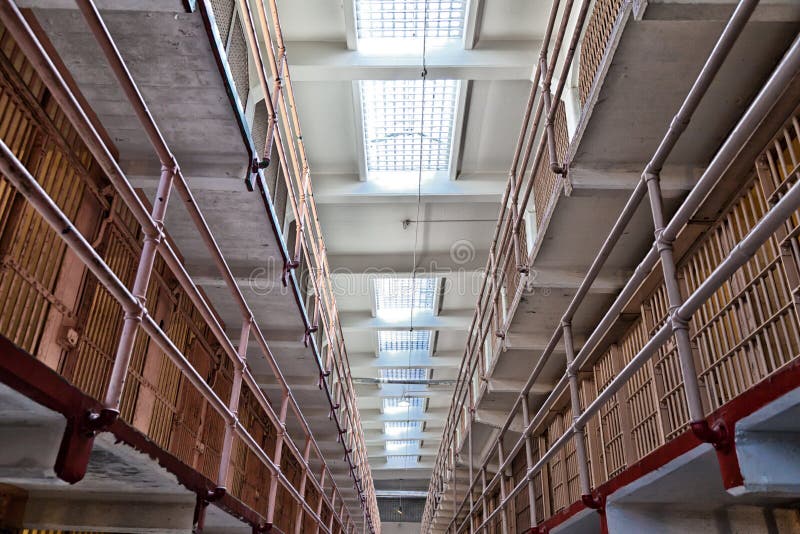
404	446
406	128
402	460
404	373
400	428
407	19
410	406
404	340
405	293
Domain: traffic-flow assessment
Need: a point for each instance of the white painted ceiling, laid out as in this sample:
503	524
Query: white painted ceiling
363	224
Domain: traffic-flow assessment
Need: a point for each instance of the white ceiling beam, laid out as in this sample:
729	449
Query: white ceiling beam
330	61
447	320
350	189
368	362
393	265
472	26
350	28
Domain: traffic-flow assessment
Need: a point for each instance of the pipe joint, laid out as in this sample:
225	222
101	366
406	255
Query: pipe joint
595	501
678	124
678	322
717	435
215	494
96	422
651	175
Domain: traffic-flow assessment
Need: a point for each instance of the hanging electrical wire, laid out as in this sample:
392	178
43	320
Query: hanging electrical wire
424	75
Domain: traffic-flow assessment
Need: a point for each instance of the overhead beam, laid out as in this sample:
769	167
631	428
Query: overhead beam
393	265
447	320
338	188
330	61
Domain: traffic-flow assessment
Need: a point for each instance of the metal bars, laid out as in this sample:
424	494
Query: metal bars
666	237
132	303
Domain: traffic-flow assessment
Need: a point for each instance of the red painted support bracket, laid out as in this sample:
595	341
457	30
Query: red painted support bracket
76	444
716	434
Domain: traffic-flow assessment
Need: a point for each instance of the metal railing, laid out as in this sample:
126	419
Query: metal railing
284	133
133	301
680	311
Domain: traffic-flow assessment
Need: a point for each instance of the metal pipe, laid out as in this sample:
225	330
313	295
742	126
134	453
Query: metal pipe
529	462
28	43
29	188
118	67
131	321
726	41
233	404
575	401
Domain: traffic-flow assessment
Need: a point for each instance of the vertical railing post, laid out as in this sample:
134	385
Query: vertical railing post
233	404
144	270
526	420
484	503
302	489
322	476
471	468
501	458
579	434
680	327
273	483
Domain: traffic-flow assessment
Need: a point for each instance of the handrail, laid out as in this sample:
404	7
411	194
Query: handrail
309	240
152	228
665	236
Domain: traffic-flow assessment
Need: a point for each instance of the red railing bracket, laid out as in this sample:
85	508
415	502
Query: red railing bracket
716	434
594	501
77	442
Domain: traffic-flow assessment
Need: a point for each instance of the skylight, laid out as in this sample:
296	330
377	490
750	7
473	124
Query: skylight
402	460
405	130
404	341
411	406
405	446
407	19
404	373
394	297
401	428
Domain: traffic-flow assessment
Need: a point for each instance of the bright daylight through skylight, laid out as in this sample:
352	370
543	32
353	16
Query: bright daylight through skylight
406	19
402	428
404	132
395	296
403	341
408	406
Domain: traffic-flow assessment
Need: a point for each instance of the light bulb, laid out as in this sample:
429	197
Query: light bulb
404	403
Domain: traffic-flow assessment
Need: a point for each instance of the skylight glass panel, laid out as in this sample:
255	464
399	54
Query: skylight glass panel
395	297
402	460
401	428
407	19
404	340
404	373
409	406
405	446
406	131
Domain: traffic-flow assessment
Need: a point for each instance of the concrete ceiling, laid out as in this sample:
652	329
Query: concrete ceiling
363	224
